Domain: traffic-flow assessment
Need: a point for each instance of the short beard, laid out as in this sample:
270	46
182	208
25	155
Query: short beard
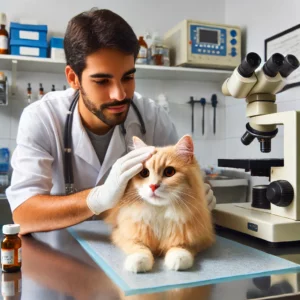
99	112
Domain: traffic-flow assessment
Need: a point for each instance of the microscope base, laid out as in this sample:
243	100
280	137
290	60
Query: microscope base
259	223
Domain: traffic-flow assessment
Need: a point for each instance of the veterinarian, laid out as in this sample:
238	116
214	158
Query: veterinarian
73	158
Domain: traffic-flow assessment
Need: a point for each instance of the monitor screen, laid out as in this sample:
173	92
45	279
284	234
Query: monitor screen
208	36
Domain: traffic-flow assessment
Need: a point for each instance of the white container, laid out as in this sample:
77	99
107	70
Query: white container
58	54
57	49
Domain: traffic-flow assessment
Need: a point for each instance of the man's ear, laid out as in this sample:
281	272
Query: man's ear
72	78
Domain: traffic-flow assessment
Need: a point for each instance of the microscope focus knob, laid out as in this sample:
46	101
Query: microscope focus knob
280	193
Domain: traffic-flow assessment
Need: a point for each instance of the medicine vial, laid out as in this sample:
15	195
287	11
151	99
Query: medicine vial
3	35
11	249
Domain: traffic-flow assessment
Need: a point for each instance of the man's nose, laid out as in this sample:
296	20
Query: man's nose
118	92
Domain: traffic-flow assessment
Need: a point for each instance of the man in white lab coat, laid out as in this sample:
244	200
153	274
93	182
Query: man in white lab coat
100	49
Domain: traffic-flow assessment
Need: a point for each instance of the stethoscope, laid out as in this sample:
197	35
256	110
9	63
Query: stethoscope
68	168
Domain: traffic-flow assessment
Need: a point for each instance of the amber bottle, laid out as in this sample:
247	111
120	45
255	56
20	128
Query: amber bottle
143	53
11	249
3	35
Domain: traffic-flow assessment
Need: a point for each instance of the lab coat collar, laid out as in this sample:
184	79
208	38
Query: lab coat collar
81	142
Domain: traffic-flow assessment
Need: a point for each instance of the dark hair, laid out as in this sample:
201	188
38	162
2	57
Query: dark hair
93	30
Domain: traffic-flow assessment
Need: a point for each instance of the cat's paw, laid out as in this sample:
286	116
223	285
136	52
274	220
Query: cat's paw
138	262
179	259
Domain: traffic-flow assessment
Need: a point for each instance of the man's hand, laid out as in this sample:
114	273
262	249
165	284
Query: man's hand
211	199
106	196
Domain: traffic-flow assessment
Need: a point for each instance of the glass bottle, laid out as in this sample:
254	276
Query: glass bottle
11	249
143	53
3	35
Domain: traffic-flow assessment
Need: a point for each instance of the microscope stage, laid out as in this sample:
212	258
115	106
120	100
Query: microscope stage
259	223
251	163
257	167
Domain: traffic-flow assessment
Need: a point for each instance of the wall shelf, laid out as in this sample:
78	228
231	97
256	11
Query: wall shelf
47	65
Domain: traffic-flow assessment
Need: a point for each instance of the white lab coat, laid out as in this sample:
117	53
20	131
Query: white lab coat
38	158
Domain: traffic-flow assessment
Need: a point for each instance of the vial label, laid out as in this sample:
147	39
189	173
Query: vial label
3	42
7	257
8	288
142	53
19	255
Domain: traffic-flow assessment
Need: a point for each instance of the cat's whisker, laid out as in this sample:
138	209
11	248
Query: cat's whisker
182	203
190	203
189	195
193	215
195	208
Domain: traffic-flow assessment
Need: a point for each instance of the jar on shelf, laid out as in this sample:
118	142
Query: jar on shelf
143	53
159	53
3	35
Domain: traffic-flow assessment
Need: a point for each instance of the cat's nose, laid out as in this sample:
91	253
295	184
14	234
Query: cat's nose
153	187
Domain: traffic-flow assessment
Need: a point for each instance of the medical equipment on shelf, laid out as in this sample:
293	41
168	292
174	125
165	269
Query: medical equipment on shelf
28	39
207	45
280	221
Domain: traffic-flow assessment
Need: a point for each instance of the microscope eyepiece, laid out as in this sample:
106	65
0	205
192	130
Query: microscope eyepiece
249	64
289	65
273	64
247	138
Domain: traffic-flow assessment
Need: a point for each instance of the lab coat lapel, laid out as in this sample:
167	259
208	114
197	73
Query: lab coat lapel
82	144
115	150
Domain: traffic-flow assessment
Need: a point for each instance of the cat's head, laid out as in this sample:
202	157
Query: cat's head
167	175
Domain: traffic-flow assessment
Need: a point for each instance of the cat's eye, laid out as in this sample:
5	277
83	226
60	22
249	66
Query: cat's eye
145	173
169	171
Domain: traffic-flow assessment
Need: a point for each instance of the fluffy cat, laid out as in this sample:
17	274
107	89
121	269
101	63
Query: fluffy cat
163	211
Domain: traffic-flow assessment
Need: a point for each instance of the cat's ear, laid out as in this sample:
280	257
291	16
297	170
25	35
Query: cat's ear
138	143
185	147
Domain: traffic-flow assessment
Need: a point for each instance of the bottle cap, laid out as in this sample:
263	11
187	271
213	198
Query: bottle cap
11	229
2	19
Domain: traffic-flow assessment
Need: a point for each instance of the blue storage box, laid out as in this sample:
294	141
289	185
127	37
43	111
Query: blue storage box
57	42
57	51
28	32
28	48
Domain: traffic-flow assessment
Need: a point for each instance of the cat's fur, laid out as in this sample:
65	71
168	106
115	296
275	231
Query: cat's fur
178	224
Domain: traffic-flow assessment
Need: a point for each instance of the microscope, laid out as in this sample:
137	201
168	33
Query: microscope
274	213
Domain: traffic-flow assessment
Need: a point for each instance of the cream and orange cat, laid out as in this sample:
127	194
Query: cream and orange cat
163	211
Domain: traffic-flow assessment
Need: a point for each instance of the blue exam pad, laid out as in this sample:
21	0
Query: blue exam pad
225	261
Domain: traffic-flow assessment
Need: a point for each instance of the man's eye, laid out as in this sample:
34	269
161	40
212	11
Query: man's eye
128	78
102	82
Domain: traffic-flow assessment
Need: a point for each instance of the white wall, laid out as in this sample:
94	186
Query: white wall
259	23
141	15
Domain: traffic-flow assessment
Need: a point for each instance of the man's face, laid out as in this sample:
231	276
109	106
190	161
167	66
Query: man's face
107	85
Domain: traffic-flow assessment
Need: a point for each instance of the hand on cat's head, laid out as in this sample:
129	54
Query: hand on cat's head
184	148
